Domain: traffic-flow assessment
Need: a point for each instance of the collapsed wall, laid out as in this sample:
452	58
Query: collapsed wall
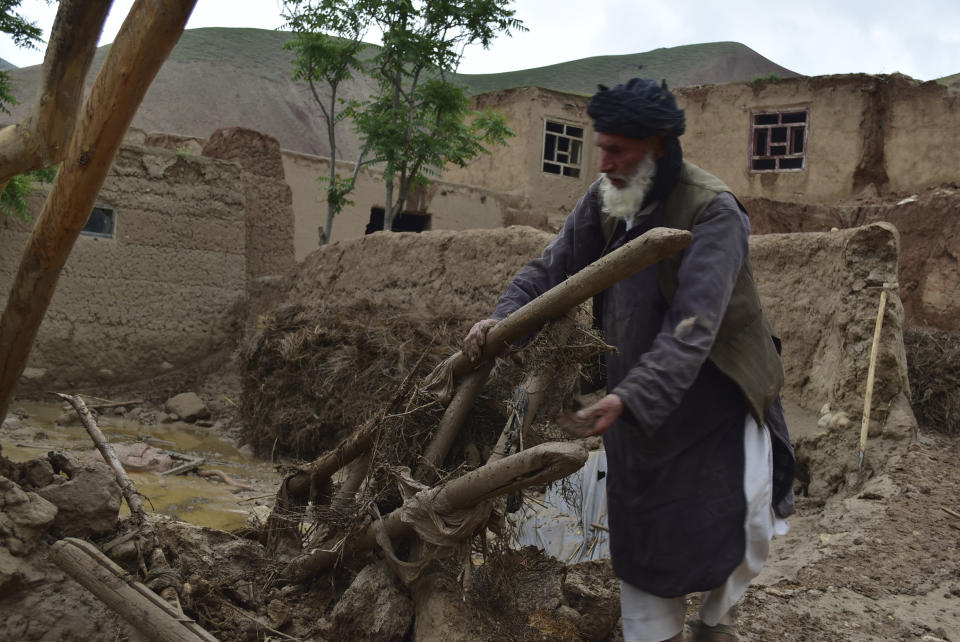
929	268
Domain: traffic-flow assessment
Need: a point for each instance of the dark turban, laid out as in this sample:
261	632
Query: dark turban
639	109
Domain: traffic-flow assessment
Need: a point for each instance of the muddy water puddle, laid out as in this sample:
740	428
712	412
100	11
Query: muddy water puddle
195	499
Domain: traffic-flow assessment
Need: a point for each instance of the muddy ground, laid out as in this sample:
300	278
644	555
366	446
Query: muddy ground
870	555
877	561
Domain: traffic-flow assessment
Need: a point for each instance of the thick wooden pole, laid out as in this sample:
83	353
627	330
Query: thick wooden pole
143	609
143	43
639	254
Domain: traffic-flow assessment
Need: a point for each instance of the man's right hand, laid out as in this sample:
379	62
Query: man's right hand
476	338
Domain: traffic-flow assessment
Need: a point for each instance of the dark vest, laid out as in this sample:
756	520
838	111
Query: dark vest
744	349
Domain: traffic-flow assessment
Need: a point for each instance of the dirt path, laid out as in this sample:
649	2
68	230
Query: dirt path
882	564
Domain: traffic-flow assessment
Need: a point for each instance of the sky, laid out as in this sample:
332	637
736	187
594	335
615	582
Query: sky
920	38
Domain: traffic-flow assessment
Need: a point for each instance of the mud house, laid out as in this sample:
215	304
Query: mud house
176	247
184	235
809	140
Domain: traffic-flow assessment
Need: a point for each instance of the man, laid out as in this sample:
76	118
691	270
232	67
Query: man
700	467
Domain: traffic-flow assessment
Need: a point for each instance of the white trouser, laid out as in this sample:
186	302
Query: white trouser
648	618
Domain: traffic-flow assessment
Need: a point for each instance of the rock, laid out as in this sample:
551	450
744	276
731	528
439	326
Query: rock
32	374
441	616
12	422
593	590
37	473
901	423
141	456
64	462
188	406
68	418
89	503
24	517
375	607
279	613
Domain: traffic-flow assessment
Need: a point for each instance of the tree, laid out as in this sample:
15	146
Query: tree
331	60
418	120
13	199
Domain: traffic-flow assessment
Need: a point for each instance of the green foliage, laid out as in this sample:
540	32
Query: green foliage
771	77
418	121
13	200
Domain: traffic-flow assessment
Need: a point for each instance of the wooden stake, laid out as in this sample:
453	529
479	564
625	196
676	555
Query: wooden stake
871	371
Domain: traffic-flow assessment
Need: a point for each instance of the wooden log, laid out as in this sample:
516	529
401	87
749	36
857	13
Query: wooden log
451	422
143	43
140	607
639	254
539	465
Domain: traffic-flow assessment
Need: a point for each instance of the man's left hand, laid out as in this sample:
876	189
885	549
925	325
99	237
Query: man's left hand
592	420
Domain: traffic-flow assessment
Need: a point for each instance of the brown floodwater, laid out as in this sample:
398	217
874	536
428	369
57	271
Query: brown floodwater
188	497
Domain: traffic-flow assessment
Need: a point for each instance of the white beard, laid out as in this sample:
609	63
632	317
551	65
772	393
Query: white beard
625	203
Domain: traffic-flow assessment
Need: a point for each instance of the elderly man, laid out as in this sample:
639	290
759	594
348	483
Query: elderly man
700	466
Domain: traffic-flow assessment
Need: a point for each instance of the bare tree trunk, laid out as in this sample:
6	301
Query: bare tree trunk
41	138
144	42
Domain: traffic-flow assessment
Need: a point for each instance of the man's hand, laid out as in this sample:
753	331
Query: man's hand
476	338
592	420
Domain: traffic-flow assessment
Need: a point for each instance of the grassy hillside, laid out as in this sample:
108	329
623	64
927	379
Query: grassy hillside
710	63
223	77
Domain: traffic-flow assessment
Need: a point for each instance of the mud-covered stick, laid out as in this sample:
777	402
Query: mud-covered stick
536	466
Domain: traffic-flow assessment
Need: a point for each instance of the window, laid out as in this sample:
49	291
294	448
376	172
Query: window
778	140
562	149
102	222
406	222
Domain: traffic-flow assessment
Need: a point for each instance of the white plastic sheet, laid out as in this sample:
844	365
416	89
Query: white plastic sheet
565	527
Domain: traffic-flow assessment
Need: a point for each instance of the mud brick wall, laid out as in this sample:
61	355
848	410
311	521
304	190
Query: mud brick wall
162	293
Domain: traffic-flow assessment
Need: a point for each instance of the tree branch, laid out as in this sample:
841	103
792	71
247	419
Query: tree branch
145	39
41	137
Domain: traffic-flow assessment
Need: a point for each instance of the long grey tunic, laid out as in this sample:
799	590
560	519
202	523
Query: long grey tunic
675	457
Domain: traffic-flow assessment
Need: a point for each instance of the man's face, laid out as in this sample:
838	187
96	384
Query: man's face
619	155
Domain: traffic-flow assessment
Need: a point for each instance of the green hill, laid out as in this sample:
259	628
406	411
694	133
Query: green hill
709	63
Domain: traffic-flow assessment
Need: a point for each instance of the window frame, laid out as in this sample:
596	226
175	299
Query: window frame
113	228
767	130
566	168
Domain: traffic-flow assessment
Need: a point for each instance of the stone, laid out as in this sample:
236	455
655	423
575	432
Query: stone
37	473
375	607
188	406
11	423
32	374
901	423
593	591
88	503
24	517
